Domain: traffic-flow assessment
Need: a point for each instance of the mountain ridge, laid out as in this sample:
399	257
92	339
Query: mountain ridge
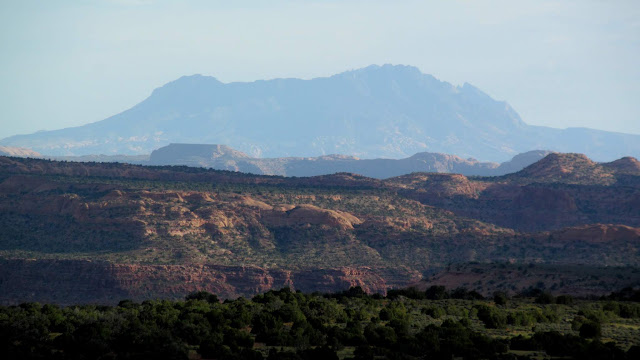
223	157
228	159
380	111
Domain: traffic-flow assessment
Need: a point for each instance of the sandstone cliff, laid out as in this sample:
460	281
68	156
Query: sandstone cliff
68	282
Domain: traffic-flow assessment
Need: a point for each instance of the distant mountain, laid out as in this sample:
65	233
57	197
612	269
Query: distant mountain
222	157
521	161
378	111
129	159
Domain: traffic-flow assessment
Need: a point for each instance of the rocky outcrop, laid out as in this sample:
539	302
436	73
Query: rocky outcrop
77	281
439	186
309	215
561	190
625	165
576	168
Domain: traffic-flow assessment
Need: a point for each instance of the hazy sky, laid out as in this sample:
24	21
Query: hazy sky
558	63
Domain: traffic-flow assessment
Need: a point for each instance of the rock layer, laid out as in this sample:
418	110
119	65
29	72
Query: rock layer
72	281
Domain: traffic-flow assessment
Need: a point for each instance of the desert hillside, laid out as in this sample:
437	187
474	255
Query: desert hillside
163	231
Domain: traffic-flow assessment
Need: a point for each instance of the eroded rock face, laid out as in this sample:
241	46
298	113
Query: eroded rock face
77	281
309	214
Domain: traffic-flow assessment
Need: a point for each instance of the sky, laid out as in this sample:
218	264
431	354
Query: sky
558	63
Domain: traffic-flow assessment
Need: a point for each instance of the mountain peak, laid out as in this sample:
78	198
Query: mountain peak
389	68
385	70
195	82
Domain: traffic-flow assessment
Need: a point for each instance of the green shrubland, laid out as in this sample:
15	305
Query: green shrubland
283	324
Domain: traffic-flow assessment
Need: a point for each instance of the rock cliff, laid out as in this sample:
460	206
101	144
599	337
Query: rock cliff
68	282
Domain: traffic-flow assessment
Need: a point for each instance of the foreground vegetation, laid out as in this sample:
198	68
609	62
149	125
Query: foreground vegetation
406	324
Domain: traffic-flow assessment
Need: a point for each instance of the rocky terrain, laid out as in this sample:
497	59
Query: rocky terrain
162	231
558	191
375	112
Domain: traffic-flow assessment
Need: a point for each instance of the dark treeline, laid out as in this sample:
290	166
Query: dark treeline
284	324
626	294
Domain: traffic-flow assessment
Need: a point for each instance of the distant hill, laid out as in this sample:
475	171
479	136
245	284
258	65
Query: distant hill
222	157
19	152
375	112
129	159
560	190
578	168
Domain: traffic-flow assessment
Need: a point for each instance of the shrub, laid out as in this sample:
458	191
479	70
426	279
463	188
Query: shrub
491	317
500	298
565	300
545	298
204	296
590	329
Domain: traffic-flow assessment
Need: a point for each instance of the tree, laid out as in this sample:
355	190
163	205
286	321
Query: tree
491	317
204	296
500	298
590	329
436	292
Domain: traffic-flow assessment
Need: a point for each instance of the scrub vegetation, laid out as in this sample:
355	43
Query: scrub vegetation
282	324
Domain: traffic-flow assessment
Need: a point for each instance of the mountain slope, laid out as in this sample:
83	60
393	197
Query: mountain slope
379	111
100	230
16	151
